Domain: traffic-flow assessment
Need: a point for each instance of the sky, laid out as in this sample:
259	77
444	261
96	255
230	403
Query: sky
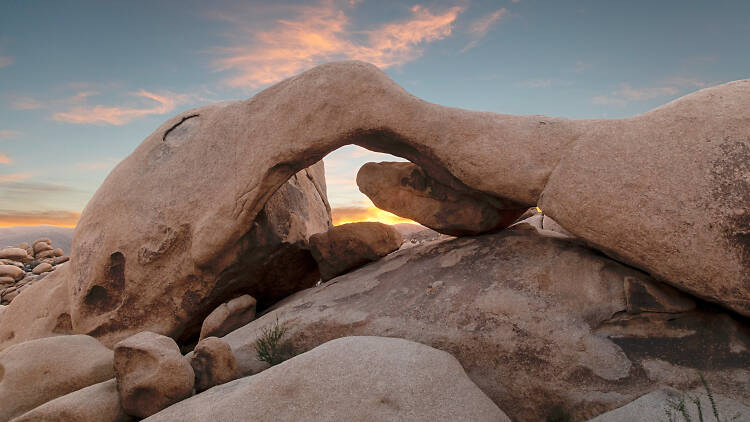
82	83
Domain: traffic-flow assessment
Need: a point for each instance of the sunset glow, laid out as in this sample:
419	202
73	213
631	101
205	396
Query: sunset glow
50	218
357	214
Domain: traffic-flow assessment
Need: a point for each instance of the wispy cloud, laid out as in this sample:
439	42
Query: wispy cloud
670	87
480	27
259	56
4	159
13	177
116	115
9	134
103	164
10	218
25	103
5	61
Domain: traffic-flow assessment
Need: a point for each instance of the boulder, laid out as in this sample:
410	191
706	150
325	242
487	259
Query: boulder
58	252
348	379
228	317
7	280
151	374
11	271
37	371
41	246
42	268
13	253
348	246
655	406
539	323
42	310
60	260
407	191
213	363
95	403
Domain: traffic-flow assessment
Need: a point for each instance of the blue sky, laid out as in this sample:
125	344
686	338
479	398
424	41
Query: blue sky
82	83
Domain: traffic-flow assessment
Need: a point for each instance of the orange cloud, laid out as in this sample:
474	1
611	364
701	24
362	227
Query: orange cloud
116	115
4	159
479	28
14	177
322	33
9	218
344	215
9	134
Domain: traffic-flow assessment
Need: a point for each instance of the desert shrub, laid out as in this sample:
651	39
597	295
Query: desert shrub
678	407
270	346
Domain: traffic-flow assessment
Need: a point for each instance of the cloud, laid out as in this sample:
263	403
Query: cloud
103	164
479	28
25	103
4	159
342	215
670	87
9	134
100	114
13	177
322	33
10	218
5	61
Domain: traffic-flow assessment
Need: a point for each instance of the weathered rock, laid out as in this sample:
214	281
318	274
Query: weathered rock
348	379
58	252
151	374
45	254
644	296
655	405
41	311
228	317
2	309
11	271
213	363
538	323
37	371
7	280
13	253
60	259
41	246
42	268
407	191
96	403
348	246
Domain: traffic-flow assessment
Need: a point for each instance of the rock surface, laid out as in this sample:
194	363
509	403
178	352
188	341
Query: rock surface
151	374
400	381
13	253
37	371
96	403
652	407
228	317
538	323
213	363
29	267
407	191
348	246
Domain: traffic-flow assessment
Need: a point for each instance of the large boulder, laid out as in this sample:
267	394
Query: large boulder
11	271
213	363
407	191
348	246
348	379
16	254
37	371
151	374
657	405
228	317
627	176
96	403
539	323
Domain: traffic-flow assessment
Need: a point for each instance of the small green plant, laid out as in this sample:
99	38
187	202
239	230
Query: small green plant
271	348
678	407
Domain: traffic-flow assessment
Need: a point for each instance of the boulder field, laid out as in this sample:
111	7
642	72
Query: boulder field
627	273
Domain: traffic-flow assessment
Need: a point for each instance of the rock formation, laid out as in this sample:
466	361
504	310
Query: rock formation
38	371
539	323
228	317
348	379
213	363
21	266
96	403
348	246
151	374
407	191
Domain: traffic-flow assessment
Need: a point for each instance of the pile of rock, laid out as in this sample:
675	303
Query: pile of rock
23	264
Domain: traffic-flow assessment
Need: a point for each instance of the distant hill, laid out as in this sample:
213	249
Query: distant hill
62	237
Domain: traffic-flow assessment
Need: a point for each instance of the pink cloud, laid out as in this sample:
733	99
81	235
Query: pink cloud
323	33
480	27
4	159
100	114
9	134
14	177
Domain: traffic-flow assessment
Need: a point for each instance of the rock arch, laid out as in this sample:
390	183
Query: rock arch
656	191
